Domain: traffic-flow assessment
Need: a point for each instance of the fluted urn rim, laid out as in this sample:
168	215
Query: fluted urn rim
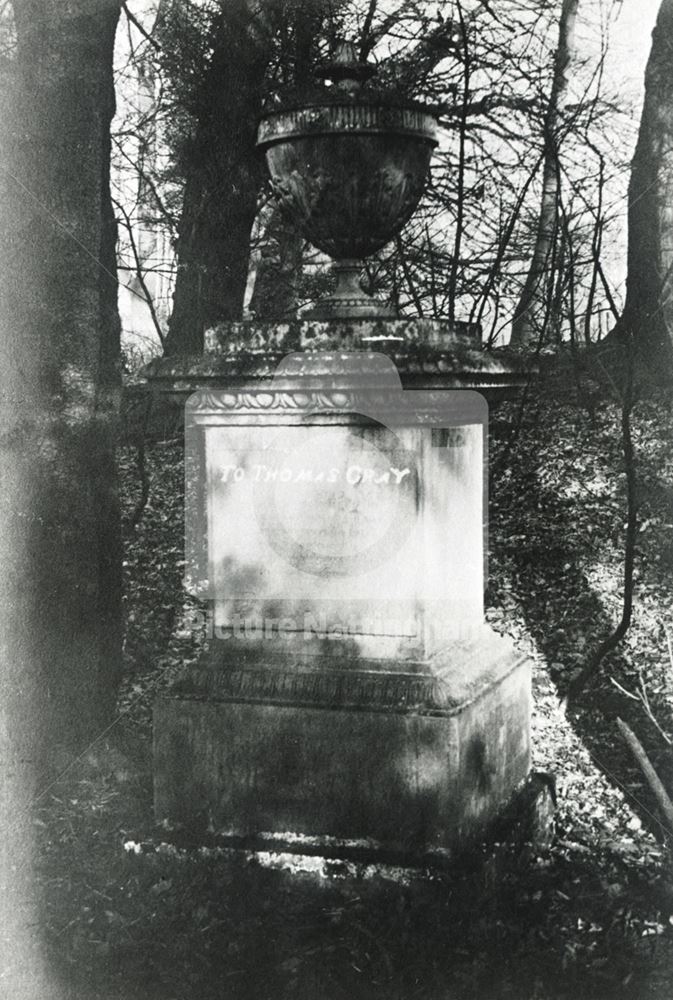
340	115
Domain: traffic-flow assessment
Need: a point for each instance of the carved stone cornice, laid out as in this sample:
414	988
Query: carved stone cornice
427	354
442	690
346	689
271	401
246	380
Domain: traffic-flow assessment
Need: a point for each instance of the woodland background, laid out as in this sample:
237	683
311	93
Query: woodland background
128	175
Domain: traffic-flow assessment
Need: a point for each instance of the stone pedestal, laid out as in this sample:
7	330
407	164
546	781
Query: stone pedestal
351	689
408	761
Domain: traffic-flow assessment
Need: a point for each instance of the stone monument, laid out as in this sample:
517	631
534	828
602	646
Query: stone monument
351	692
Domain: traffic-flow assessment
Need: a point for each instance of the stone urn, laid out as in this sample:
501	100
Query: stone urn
348	169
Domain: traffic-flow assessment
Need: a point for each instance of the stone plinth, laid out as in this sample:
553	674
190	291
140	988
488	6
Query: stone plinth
411	762
342	510
351	688
426	353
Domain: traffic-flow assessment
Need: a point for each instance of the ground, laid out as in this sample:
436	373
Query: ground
591	917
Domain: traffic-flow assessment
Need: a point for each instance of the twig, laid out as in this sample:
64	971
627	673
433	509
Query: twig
408	276
489	8
433	277
146	179
644	700
644	697
139	272
143	31
504	242
653	779
366	41
596	248
608	293
629	694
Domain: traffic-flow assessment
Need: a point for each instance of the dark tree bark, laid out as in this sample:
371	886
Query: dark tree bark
60	556
59	368
648	311
60	544
275	290
222	181
223	172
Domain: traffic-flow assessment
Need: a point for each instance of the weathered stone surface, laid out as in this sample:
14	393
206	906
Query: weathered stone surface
348	169
392	531
410	781
343	491
340	498
442	685
426	353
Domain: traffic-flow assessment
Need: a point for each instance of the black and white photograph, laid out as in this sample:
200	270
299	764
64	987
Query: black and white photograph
336	499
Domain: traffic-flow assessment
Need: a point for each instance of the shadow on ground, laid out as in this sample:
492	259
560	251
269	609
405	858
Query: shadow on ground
551	526
582	922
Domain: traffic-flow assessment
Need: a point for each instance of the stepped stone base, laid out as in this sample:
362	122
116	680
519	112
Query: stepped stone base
412	762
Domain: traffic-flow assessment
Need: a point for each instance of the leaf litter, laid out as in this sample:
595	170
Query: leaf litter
591	917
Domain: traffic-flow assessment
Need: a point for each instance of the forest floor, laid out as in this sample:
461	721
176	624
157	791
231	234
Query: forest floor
589	918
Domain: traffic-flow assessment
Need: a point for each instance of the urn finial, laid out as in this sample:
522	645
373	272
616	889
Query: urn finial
344	68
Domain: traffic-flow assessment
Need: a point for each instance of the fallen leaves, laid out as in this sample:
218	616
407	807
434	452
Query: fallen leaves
591	918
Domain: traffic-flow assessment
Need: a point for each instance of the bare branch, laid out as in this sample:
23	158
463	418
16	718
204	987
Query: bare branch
365	41
139	271
409	277
653	779
145	177
143	31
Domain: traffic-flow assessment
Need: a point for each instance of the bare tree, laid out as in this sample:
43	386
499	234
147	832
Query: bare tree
648	311
526	327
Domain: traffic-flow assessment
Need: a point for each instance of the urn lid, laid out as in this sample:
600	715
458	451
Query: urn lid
347	106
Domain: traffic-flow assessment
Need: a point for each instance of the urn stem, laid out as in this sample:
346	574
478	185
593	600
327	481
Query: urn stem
348	272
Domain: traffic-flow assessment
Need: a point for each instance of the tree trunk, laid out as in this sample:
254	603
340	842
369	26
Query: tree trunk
224	172
277	276
59	368
223	179
648	311
60	556
528	323
275	291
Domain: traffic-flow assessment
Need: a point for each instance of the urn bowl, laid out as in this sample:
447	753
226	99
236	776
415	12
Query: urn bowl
349	173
